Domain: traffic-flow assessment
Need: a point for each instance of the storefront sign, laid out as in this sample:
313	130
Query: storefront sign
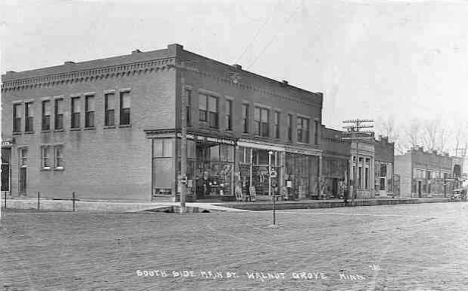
247	144
302	151
6	143
209	139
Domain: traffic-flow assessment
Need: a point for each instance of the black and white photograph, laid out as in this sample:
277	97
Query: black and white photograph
234	145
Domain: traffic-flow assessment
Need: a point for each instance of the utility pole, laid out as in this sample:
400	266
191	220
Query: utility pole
355	134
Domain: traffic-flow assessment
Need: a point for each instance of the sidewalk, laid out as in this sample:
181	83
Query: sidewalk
312	204
109	206
131	206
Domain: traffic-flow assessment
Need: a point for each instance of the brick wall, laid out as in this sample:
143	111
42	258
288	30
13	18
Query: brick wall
217	79
110	163
403	168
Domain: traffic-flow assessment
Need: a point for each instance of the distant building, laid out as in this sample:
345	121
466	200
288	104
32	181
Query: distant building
336	154
111	129
375	171
385	184
427	174
362	161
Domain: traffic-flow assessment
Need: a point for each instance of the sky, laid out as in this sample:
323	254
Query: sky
372	59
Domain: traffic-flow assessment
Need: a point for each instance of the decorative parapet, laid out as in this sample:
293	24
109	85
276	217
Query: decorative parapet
85	75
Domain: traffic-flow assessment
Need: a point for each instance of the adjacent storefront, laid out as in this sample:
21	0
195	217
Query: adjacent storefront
215	165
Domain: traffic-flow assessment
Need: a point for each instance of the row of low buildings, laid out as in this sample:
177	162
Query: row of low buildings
111	129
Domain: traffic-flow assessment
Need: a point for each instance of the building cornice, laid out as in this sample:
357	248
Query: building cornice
88	75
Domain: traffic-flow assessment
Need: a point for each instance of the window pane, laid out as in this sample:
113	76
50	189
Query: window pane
17	110
163	173
125	99
46	107
59	106
257	114
157	147
213	104
110	101
90	103
202	102
168	147
214	153
265	114
29	110
59	156
76	105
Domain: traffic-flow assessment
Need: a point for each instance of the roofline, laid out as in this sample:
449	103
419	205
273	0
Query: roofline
319	94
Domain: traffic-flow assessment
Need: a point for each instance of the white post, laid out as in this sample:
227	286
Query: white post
269	186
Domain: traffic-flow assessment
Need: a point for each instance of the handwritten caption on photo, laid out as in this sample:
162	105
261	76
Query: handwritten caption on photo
250	275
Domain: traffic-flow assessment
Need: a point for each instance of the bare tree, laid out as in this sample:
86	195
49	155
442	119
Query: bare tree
430	134
388	128
413	133
461	139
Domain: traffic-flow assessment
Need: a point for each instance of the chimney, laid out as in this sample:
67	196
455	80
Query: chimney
237	66
175	49
68	63
137	51
285	82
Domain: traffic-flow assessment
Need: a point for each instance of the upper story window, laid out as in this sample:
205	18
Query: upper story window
46	115
303	129
229	114
89	111
125	108
109	109
16	117
316	131
290	129
208	110
75	112
245	118
29	117
261	121
58	114
188	107
277	124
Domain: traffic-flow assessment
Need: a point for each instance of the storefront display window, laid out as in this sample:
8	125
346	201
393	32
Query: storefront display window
163	166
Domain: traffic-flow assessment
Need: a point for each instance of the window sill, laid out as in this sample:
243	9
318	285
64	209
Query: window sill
59	130
59	169
29	132
109	127
125	126
17	133
48	169
90	128
46	131
75	129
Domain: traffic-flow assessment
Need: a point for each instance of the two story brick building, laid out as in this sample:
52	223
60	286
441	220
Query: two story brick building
110	128
427	173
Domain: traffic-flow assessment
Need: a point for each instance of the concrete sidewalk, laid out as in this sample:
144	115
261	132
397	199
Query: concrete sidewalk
312	204
110	206
131	206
